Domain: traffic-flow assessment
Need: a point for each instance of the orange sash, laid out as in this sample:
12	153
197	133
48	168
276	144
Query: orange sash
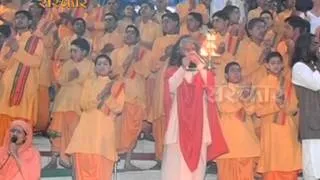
22	74
141	55
280	117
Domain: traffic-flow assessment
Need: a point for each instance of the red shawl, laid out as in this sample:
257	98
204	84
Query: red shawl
190	108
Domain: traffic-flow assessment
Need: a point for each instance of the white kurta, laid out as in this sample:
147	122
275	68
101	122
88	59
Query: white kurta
303	76
174	166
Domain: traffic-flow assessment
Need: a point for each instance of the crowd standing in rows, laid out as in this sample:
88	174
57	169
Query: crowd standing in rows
215	81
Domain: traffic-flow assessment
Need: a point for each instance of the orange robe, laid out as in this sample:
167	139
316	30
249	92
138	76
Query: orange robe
252	70
66	109
135	96
238	131
115	38
156	92
280	23
45	30
29	157
20	80
280	148
283	50
93	143
149	31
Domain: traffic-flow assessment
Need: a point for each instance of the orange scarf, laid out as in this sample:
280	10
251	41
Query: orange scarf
28	156
22	74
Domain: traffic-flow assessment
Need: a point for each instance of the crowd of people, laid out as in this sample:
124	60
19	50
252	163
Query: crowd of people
231	84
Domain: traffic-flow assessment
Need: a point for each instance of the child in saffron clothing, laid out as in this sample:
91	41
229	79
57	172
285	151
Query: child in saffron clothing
93	144
235	108
276	107
66	110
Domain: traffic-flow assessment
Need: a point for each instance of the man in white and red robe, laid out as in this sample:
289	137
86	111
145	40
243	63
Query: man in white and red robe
193	134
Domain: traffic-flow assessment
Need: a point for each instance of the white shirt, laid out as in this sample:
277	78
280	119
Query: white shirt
303	76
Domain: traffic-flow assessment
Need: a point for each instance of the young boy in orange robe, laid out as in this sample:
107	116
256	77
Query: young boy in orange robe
276	107
67	110
236	105
93	144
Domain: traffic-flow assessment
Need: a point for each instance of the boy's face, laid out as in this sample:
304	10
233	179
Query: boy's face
219	24
275	65
130	36
192	24
22	21
79	27
77	54
145	10
129	11
109	22
234	74
169	25
258	31
102	66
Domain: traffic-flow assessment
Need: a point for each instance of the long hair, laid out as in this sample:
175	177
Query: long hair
176	56
302	52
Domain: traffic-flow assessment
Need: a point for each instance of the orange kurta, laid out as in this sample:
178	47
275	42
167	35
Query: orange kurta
280	149
115	38
66	110
282	48
150	31
252	69
135	95
45	30
28	106
29	157
91	138
238	130
156	114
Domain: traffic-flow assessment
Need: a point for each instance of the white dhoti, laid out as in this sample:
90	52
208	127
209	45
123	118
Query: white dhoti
311	159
